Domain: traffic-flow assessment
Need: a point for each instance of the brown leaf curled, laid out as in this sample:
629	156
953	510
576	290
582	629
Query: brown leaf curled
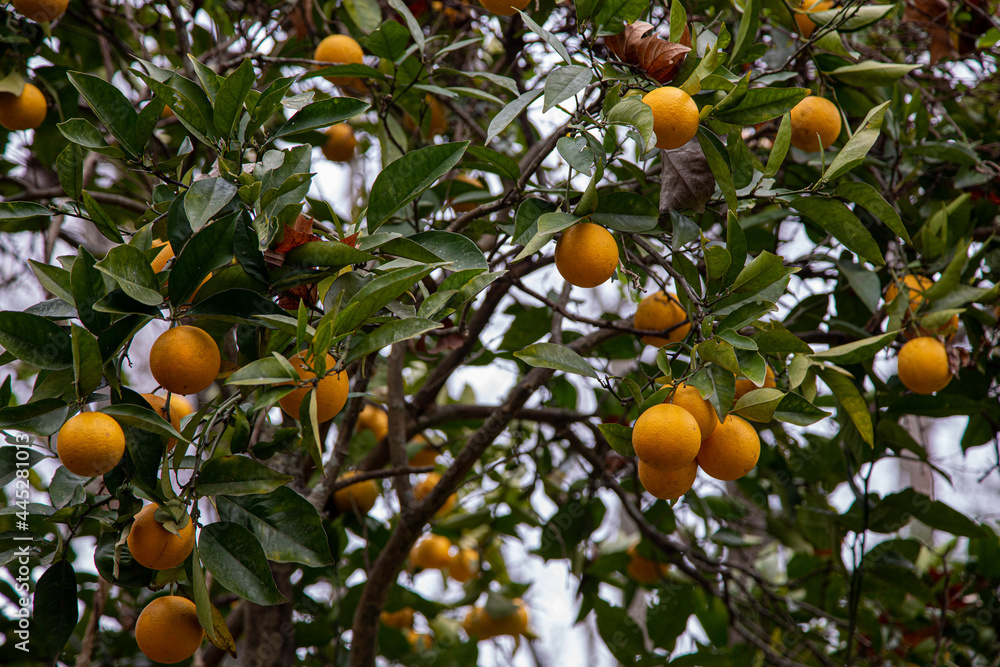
686	181
639	45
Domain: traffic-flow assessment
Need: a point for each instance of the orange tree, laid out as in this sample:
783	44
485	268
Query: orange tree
792	195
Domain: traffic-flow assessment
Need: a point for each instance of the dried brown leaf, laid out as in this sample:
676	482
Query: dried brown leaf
639	45
686	181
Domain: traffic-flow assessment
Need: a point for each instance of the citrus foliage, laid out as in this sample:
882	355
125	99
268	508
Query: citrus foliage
754	185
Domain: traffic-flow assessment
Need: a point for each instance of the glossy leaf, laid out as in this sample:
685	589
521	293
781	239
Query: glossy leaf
235	558
238	476
558	357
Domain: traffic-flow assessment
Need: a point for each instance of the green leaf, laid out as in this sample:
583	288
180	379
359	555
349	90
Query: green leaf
205	198
111	106
868	198
235	558
780	148
288	527
241	306
619	437
128	267
720	168
503	166
416	31
331	254
22	210
389	333
851	19
460	251
854	151
406	178
512	111
835	218
850	400
81	131
626	212
268	103
872	73
69	169
389	41
238	476
565	82
794	409
719	352
321	114
293	182
205	251
102	221
746	35
144	418
635	113
54	279
765	269
89	288
759	405
232	93
762	104
857	351
87	369
36	341
558	357
608	16
266	371
377	294
44	417
55	609
210	81
366	14
550	39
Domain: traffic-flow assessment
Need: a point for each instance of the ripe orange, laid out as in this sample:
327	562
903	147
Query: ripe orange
25	111
154	546
504	7
514	624
419	641
168	629
159	403
340	143
464	565
423	457
375	420
361	495
658	312
165	255
731	451
923	366
744	385
916	286
586	255
341	50
185	360
423	489
432	551
688	397
667	437
802	20
644	570
675	116
811	117
400	619
331	391
667	484
90	444
40	11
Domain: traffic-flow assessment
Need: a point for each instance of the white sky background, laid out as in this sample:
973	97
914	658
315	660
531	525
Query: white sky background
552	596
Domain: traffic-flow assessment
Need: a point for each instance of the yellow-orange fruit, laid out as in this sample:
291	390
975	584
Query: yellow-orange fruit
731	451
811	117
513	624
185	360
464	565
25	111
423	489
644	570
438	123
361	495
159	403
40	11
667	484
948	330
331	391
168	630
340	143
805	24
154	546
658	312
923	366
90	444
688	397
744	385
165	255
375	420
423	457
675	116
419	641
586	255
340	50
504	7
916	286
432	551
400	619
667	437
